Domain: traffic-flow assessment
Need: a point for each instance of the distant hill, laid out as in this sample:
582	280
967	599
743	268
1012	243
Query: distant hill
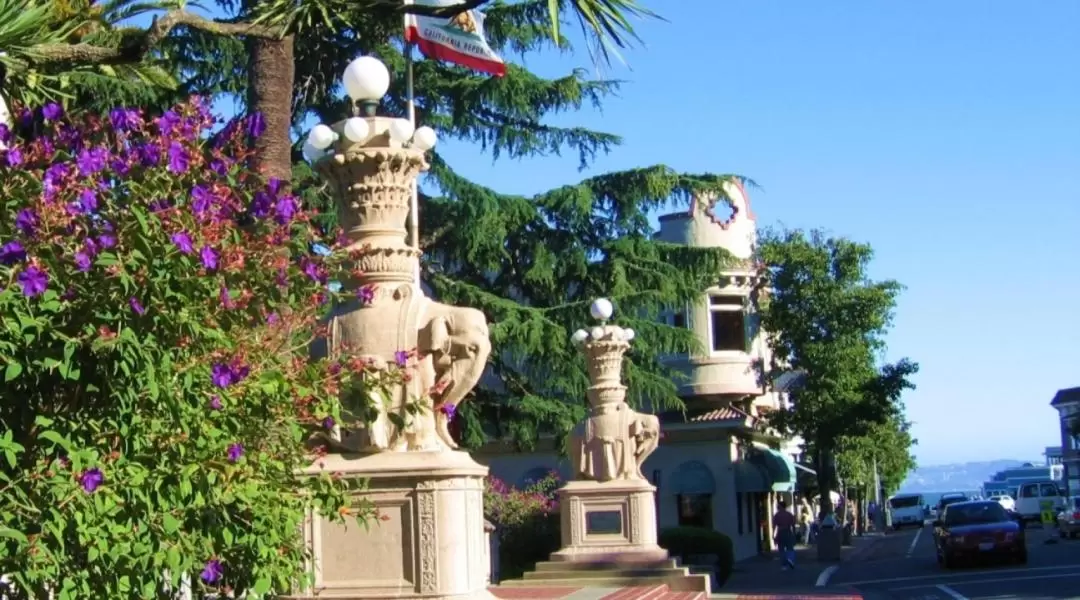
957	477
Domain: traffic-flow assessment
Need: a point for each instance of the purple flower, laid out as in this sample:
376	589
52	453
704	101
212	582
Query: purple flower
285	209
91	161
91	479
149	154
260	205
26	221
12	252
226	298
14	157
219	167
83	262
209	257
211	572
449	410
87	202
366	294
33	281
313	270
401	357
182	240
5	133
328	423
272	318
221	375
201	200
136	306
215	402
236	451
179	161
52	111
106	240
168	122
123	119
256	124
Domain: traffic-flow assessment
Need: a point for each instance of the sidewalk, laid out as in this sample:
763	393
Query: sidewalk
764	577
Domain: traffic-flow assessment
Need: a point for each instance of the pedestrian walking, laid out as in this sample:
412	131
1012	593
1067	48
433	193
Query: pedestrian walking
784	534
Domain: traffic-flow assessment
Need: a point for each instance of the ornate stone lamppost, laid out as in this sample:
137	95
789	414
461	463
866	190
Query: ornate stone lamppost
609	512
430	542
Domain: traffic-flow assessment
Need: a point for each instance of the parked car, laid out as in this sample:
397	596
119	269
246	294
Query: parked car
949	498
1068	520
976	531
907	509
1006	501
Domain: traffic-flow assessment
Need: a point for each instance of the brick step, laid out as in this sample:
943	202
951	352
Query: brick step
554	565
655	592
617	571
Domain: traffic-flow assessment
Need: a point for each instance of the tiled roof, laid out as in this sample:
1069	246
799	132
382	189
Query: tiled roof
726	413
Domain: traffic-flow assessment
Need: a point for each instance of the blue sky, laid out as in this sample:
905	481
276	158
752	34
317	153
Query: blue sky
946	134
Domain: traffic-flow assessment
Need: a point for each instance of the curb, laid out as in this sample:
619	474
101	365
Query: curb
796	596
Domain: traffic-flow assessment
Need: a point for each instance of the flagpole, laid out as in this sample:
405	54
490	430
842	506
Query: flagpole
410	99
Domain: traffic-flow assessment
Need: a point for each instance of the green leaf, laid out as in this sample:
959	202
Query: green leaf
12	371
262	586
6	532
170	523
55	438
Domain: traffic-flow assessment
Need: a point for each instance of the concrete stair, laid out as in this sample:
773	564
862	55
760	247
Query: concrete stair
643	577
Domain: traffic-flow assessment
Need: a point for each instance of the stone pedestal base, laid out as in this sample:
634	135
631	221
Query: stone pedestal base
430	543
608	522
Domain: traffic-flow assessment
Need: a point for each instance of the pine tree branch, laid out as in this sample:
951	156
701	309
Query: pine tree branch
137	47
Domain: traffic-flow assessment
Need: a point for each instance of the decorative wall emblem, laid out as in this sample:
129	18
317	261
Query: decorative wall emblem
429	577
721	211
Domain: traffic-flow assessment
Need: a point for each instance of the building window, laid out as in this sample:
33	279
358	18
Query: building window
727	323
695	510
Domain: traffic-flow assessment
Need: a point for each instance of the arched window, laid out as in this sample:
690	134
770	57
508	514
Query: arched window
694	486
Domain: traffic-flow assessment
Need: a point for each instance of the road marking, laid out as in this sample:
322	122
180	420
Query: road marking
963	574
914	542
823	579
955	594
982	581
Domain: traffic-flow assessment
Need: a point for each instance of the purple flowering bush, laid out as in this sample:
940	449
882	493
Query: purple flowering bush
157	303
526	521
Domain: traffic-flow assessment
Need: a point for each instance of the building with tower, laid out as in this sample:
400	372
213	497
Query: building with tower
718	465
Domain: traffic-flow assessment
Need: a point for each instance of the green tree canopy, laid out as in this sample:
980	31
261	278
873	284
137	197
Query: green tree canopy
888	445
827	320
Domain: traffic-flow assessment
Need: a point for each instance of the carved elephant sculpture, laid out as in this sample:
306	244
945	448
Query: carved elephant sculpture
458	342
613	443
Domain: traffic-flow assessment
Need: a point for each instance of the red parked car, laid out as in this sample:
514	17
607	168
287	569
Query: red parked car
977	531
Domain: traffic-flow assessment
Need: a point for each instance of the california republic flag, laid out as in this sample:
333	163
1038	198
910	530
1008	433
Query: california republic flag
458	39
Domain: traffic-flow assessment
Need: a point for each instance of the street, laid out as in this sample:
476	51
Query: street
903	566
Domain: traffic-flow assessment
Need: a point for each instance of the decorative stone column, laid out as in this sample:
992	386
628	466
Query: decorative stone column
608	511
430	541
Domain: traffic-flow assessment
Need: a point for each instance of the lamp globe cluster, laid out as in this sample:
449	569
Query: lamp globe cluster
366	81
601	310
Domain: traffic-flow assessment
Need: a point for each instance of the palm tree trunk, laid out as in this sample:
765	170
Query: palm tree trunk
272	71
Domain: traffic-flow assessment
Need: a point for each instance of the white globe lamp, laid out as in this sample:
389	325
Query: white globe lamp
401	130
596	333
601	309
366	81
356	130
629	335
322	137
424	138
580	336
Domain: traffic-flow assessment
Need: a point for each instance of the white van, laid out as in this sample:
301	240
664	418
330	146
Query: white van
907	509
1032	497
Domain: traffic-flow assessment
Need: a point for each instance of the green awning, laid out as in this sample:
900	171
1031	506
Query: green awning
750	478
778	466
